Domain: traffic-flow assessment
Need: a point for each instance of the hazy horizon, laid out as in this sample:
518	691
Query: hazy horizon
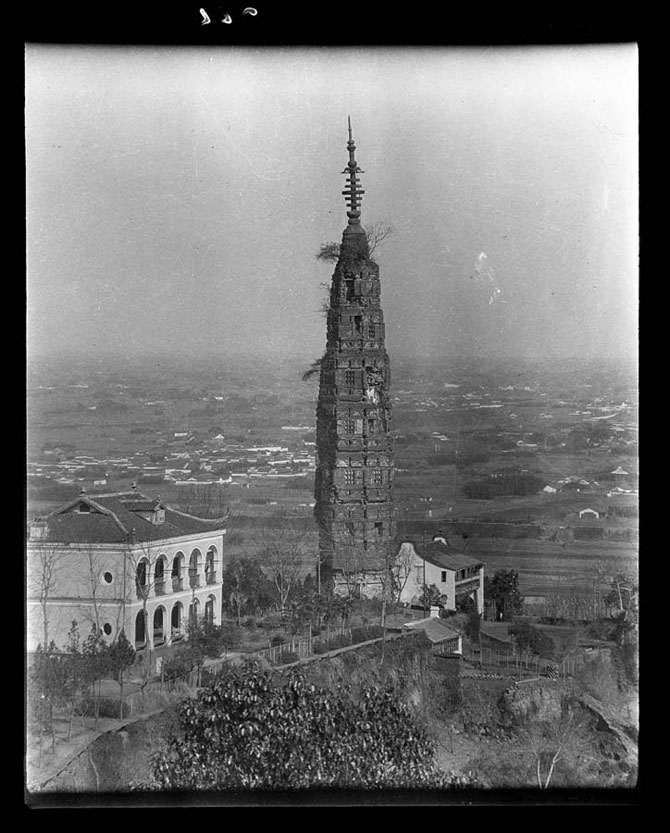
176	198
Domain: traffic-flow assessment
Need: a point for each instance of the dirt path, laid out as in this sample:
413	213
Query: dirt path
84	733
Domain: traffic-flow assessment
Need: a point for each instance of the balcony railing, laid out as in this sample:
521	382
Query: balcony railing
177	583
210	577
142	590
159	587
159	638
194	580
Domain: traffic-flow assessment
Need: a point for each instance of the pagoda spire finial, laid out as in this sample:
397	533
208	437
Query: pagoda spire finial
353	191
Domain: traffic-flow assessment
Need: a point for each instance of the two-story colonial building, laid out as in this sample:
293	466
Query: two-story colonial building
455	574
121	561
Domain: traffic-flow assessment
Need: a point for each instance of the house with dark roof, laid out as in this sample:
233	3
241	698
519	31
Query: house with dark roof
444	638
122	561
457	575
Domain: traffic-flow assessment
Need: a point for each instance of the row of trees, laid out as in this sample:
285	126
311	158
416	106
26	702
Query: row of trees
512	482
68	679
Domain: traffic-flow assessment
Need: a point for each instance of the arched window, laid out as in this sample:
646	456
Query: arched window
142	579
140	630
159	575
159	626
178	572
194	568
176	621
210	565
193	613
210	610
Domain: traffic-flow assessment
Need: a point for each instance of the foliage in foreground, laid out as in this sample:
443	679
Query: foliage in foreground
250	730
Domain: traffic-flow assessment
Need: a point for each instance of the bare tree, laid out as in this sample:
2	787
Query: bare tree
400	569
283	548
45	561
205	500
376	233
90	612
549	742
623	593
142	561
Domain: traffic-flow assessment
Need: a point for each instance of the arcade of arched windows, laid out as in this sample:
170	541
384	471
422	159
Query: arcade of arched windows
168	623
181	573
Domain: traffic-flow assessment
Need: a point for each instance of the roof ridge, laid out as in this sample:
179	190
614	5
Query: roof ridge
104	510
114	516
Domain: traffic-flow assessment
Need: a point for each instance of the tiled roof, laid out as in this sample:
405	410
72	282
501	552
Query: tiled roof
111	520
434	628
76	528
444	556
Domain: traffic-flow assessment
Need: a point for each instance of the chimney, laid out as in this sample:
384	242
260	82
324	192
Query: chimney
434	612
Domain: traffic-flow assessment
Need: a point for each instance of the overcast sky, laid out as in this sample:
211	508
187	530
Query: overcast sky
176	197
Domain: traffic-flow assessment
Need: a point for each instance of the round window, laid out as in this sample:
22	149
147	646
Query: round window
107	577
107	628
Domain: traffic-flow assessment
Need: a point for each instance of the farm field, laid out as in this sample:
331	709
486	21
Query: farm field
548	567
456	423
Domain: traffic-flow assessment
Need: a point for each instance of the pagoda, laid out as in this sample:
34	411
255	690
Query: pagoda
354	447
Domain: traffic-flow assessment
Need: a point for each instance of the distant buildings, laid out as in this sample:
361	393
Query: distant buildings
122	561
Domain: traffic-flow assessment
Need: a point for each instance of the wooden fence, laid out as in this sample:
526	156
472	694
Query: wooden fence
523	663
574	608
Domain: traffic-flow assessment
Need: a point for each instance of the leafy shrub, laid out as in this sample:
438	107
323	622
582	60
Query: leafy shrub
473	626
529	638
287	657
177	666
602	629
278	640
250	623
257	731
341	640
363	634
209	676
107	707
229	636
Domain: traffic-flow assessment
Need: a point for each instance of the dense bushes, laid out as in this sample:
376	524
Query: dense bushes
177	666
362	634
256	731
529	638
287	657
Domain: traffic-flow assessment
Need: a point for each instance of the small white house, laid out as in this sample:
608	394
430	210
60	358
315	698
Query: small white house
550	490
455	574
589	513
619	470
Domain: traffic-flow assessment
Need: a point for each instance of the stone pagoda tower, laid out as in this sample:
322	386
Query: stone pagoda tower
354	450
